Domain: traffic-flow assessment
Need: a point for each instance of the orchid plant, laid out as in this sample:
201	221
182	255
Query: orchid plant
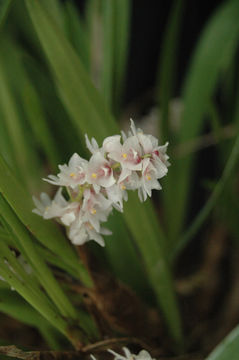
63	75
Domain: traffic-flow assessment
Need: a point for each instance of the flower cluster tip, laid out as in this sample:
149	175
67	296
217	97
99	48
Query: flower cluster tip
142	355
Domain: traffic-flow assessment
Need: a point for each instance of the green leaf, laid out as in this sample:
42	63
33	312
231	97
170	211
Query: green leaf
55	9
77	34
3	234
167	66
115	16
228	349
119	246
78	94
121	41
30	101
37	121
43	273
47	255
4	8
61	127
29	289
107	50
149	241
15	306
15	130
40	303
32	282
215	49
6	148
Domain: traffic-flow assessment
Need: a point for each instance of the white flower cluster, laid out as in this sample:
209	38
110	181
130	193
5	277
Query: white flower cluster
94	187
142	355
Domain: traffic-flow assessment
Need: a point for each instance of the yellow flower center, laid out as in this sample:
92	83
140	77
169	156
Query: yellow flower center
124	155
72	174
148	177
93	211
94	175
123	187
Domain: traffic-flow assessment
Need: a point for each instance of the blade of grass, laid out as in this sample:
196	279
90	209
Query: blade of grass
62	130
78	94
43	273
221	33
19	134
215	121
115	29
21	25
41	304
3	234
167	66
119	247
4	8
228	348
210	204
33	284
29	100
46	232
90	115
6	147
47	255
56	10
13	263
155	262
122	31
36	117
94	34
77	33
16	307
108	12
60	263
13	124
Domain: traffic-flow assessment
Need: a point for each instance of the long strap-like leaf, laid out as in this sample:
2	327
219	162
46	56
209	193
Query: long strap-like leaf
228	349
4	8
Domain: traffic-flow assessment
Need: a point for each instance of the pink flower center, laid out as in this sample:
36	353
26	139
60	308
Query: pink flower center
104	171
131	156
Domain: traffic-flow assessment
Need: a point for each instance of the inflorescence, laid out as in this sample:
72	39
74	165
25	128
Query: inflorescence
95	187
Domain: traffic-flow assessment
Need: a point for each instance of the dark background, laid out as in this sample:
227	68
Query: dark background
149	19
148	22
